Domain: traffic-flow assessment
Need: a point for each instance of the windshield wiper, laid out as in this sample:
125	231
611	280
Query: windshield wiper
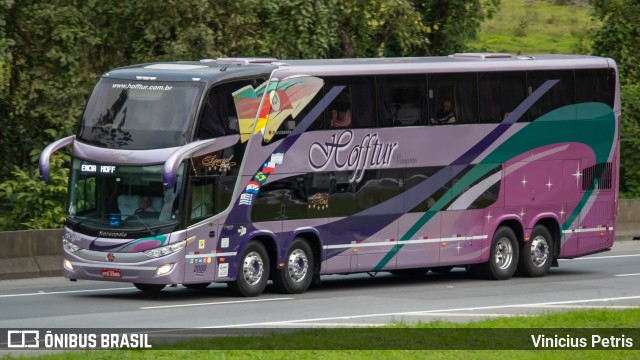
143	224
77	222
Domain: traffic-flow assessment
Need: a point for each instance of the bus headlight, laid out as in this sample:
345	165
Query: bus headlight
69	246
67	265
164	269
166	250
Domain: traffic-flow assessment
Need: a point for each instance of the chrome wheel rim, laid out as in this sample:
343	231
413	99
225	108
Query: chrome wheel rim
504	253
298	265
253	268
539	251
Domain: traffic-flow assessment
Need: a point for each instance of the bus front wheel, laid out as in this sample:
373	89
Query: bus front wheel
297	273
536	254
253	273
503	256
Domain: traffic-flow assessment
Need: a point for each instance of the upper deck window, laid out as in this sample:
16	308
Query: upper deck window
401	100
135	115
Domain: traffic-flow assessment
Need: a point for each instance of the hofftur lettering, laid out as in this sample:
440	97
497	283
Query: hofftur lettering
341	153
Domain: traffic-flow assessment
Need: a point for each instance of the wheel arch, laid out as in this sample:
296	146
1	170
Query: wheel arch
312	237
267	239
552	224
512	222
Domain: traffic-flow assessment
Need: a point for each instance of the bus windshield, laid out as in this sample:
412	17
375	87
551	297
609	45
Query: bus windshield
117	197
136	115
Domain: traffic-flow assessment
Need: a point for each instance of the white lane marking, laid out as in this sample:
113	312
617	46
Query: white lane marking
339	325
214	303
65	292
470	315
589	306
636	274
602	257
409	313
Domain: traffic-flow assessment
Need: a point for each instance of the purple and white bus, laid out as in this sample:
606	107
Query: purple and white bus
252	169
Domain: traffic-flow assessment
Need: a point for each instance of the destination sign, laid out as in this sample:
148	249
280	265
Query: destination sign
105	169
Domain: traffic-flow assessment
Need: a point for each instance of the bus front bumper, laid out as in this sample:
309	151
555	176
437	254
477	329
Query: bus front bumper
84	265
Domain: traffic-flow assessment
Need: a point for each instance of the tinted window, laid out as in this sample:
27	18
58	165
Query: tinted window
354	106
415	176
213	177
401	100
489	194
391	182
318	185
453	99
367	191
561	94
284	199
330	194
342	197
595	85
500	93
219	116
124	114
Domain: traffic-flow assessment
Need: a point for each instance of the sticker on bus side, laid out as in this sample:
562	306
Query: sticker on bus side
223	270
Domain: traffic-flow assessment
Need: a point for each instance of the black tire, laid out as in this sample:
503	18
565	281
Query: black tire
411	273
149	288
253	273
503	256
536	255
197	286
441	269
298	272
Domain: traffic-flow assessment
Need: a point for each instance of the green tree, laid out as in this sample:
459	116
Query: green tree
618	37
52	52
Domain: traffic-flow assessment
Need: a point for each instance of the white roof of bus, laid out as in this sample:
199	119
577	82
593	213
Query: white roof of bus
453	63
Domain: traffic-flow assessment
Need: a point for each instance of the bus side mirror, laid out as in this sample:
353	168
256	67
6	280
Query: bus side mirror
48	151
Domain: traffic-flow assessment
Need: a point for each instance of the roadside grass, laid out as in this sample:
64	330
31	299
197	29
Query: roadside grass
534	27
397	335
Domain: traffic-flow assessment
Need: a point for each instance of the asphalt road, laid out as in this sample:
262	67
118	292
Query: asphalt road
608	279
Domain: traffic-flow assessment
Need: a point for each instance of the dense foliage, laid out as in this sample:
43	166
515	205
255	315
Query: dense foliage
53	51
619	38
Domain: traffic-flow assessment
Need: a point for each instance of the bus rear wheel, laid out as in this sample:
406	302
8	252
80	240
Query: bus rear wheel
297	274
536	254
253	273
149	288
503	255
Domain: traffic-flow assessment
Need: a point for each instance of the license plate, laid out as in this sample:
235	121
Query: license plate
111	273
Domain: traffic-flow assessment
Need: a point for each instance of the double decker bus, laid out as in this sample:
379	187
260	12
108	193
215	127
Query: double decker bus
245	170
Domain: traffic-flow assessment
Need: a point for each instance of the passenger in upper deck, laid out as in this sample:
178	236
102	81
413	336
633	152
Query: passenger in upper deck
340	119
445	115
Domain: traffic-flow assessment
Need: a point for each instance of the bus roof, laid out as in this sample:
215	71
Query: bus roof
214	70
